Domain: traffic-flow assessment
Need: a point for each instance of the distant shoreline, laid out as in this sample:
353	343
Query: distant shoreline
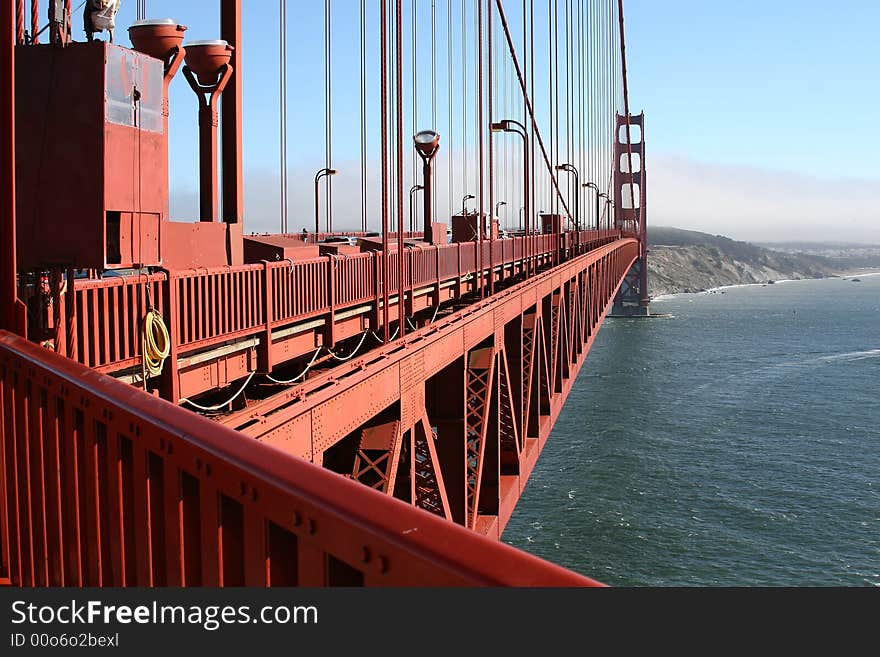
849	275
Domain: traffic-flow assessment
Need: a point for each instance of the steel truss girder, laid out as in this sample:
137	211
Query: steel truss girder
499	443
479	377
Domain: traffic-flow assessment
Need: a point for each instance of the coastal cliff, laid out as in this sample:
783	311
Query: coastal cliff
690	261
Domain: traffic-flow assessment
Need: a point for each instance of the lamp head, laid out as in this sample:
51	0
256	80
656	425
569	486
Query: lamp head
497	126
427	142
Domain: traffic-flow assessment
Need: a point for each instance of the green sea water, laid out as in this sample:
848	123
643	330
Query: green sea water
736	443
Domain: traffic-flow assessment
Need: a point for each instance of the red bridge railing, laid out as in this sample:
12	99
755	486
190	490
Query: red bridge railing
213	306
102	484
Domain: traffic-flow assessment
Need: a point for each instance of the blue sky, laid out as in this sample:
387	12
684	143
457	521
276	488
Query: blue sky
760	115
779	84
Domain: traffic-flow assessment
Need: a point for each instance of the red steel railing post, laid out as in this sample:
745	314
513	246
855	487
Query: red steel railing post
330	333
264	353
170	381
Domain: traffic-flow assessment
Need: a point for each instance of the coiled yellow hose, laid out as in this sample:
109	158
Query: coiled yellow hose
155	344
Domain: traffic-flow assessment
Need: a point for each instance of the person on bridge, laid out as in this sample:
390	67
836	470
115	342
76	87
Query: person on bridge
100	15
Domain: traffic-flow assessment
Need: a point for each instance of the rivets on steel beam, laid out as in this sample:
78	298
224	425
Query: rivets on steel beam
384	564
365	554
311	527
297	519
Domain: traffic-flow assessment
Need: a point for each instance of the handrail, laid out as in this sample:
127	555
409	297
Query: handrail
213	305
103	485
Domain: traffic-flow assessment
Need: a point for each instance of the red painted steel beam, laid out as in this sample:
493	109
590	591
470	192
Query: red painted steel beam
203	495
372	382
311	418
13	316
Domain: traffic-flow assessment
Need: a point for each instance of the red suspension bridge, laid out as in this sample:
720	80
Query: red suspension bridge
185	404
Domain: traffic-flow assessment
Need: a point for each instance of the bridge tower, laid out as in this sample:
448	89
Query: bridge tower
630	212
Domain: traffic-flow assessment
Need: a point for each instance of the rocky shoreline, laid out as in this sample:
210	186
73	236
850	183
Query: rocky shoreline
682	261
673	270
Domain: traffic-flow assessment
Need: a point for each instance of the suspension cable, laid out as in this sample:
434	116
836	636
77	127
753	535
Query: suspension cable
415	99
282	109
464	141
328	114
528	102
363	115
450	183
433	84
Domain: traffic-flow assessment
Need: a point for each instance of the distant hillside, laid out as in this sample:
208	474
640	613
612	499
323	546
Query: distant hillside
690	261
843	255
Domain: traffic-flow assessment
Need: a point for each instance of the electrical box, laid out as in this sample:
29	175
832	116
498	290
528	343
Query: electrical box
91	163
551	223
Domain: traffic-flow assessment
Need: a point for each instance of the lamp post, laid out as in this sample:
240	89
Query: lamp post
464	200
427	143
598	196
208	71
609	205
498	205
321	174
509	125
412	190
595	187
570	168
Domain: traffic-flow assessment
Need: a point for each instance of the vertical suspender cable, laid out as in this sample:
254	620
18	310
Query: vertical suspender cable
481	220
530	219
570	103
35	21
282	107
464	141
328	115
581	159
19	21
415	97
363	115
433	84
401	287
550	77
450	186
383	50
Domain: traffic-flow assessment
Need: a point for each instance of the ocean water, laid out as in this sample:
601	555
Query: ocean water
736	443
